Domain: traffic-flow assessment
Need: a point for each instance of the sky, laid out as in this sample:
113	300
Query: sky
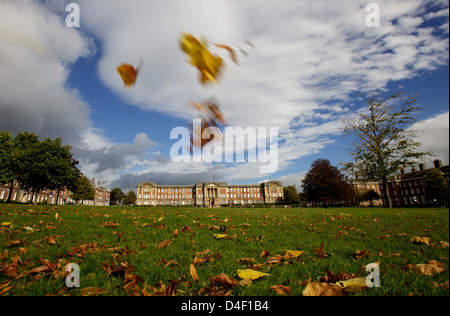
307	67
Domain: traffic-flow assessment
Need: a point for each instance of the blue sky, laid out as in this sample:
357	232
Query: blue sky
309	62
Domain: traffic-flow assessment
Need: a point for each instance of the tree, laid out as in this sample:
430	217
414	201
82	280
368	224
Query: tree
291	196
370	195
130	198
324	183
116	196
436	187
18	155
60	166
382	140
83	190
35	164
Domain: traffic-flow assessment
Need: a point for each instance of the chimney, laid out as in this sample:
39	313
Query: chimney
93	181
98	182
437	163
421	167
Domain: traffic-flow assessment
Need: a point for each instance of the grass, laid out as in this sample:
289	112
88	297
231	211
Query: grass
131	236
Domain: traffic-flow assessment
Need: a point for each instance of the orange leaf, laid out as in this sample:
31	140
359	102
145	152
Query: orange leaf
230	50
51	240
281	289
193	272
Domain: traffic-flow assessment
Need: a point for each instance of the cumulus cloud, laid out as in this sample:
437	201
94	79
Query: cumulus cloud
34	95
308	59
433	133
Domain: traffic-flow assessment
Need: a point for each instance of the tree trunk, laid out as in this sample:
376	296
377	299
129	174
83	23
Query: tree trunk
11	189
57	197
386	193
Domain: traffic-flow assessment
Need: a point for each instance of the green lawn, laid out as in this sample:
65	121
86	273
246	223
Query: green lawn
119	249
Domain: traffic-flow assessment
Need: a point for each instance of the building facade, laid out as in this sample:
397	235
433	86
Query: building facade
102	195
406	188
209	194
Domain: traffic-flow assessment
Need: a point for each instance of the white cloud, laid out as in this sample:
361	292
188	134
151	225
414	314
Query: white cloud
34	95
434	136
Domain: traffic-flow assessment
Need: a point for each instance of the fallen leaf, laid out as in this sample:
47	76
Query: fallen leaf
281	289
193	272
264	254
224	279
323	289
93	291
251	274
220	236
353	285
164	243
429	268
319	251
245	282
6	224
289	254
51	240
420	240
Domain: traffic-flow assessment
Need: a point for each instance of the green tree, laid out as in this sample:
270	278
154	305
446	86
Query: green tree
130	198
382	140
18	155
116	196
436	187
291	196
60	166
83	190
324	183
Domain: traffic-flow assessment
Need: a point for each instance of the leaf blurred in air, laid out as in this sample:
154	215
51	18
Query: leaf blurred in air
208	64
128	73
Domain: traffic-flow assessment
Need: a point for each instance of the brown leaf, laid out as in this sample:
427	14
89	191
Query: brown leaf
11	269
319	251
175	234
281	289
164	243
323	289
225	280
264	254
51	240
93	291
193	272
429	268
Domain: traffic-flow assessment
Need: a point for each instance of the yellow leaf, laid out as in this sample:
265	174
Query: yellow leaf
193	272
292	254
6	224
353	285
161	218
322	289
208	64
251	274
220	236
420	240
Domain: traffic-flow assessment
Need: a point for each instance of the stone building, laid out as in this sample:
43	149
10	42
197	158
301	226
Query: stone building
209	194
